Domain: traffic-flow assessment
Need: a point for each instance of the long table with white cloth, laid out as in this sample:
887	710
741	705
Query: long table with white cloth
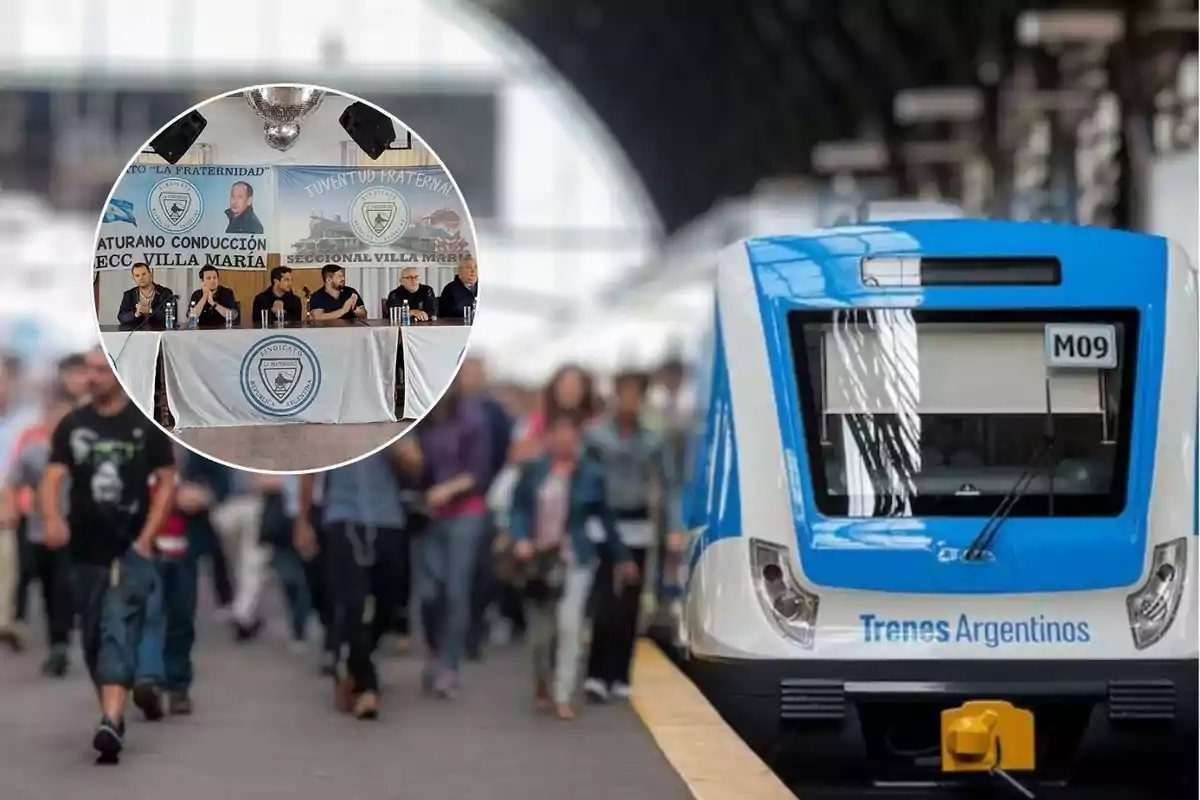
314	373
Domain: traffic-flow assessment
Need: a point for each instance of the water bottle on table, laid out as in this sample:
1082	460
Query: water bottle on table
405	314
169	314
193	317
469	314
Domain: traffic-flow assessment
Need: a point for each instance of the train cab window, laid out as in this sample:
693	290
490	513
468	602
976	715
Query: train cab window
942	413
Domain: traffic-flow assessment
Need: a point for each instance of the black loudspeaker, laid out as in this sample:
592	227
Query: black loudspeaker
178	137
371	129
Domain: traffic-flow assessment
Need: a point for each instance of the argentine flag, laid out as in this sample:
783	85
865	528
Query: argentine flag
119	211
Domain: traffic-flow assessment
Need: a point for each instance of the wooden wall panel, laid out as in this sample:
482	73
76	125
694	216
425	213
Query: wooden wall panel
245	284
306	277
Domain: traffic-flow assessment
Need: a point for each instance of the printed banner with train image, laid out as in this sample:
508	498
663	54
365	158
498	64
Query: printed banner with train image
369	216
189	216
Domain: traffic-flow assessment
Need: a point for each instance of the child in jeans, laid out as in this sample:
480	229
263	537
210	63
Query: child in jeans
556	494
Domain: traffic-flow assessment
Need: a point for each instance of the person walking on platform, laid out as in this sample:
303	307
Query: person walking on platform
49	565
160	658
364	522
15	416
110	453
639	478
571	391
554	498
169	634
309	527
205	488
473	380
238	523
276	537
455	466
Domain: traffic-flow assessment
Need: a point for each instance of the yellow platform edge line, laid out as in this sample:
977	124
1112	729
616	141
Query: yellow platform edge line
708	755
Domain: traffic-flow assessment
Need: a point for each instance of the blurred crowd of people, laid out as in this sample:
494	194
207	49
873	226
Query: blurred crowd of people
506	516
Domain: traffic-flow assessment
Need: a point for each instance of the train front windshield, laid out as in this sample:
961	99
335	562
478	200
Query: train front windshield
942	413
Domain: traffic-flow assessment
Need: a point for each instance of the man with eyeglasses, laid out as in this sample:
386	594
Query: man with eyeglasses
422	302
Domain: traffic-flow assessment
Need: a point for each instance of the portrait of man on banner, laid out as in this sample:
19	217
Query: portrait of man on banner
240	213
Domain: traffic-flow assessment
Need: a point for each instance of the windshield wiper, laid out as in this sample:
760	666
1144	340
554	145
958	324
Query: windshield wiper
983	541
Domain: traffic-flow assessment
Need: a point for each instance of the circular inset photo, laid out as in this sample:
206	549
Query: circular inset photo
285	278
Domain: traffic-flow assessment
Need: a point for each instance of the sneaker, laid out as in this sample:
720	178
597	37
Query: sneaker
109	739
367	706
620	690
243	632
148	700
179	704
446	686
595	690
57	664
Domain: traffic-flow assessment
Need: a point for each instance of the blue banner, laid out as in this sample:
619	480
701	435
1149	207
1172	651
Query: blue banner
370	216
189	216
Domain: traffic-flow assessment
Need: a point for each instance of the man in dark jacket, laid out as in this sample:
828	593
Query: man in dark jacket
461	292
146	302
422	302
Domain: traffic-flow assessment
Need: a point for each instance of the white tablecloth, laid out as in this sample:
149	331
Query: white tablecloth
431	360
222	378
135	356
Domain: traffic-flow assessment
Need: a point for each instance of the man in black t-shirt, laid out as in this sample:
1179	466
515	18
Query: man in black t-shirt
212	304
110	452
277	297
335	300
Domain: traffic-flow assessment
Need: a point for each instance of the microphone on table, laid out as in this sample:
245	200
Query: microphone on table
154	303
307	299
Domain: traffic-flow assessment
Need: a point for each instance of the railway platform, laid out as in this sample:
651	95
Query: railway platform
264	728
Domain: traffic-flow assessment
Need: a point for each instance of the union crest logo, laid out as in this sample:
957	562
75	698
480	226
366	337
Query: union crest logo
379	216
175	205
280	376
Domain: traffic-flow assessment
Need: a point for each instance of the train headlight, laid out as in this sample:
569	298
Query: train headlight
1152	608
790	606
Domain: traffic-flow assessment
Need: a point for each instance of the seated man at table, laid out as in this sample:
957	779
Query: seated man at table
146	302
461	292
212	304
277	297
335	300
422	302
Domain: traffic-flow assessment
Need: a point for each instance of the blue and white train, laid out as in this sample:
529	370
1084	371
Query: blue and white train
944	460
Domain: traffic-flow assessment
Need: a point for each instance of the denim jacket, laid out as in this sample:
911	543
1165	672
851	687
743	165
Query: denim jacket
588	498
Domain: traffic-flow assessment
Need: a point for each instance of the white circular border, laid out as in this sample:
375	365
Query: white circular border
112	361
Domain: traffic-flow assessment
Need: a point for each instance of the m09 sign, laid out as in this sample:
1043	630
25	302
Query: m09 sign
1081	346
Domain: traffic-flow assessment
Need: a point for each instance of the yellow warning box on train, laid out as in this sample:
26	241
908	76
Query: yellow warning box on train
987	735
